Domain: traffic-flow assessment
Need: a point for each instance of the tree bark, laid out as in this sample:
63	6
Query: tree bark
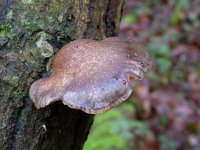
31	32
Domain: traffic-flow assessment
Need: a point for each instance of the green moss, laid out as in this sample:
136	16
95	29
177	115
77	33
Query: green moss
10	14
28	25
53	9
20	94
11	79
66	30
5	29
43	15
69	18
55	6
52	6
32	55
51	19
27	2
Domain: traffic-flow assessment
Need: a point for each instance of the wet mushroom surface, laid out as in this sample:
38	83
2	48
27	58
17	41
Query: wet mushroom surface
93	76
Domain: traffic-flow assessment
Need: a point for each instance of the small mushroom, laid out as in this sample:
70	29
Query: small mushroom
93	76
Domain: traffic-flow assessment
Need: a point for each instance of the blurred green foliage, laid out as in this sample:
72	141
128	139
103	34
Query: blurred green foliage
165	34
166	143
129	19
113	130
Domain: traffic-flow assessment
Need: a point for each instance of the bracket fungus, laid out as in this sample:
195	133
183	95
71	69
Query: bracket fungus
93	76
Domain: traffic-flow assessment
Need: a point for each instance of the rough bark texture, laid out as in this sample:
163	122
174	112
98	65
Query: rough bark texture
31	32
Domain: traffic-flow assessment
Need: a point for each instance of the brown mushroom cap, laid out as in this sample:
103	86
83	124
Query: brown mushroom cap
93	76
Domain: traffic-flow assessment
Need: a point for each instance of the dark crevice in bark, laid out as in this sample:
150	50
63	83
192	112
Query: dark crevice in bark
19	126
58	126
82	128
106	16
113	17
90	23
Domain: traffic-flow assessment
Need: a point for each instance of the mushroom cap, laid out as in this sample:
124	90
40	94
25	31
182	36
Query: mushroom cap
93	76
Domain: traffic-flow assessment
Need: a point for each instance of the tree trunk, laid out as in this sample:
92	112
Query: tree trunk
31	32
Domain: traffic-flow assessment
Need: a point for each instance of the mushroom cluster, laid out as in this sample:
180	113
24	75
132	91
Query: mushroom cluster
93	76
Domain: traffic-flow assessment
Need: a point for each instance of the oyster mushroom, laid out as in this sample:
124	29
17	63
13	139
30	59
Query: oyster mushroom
93	76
